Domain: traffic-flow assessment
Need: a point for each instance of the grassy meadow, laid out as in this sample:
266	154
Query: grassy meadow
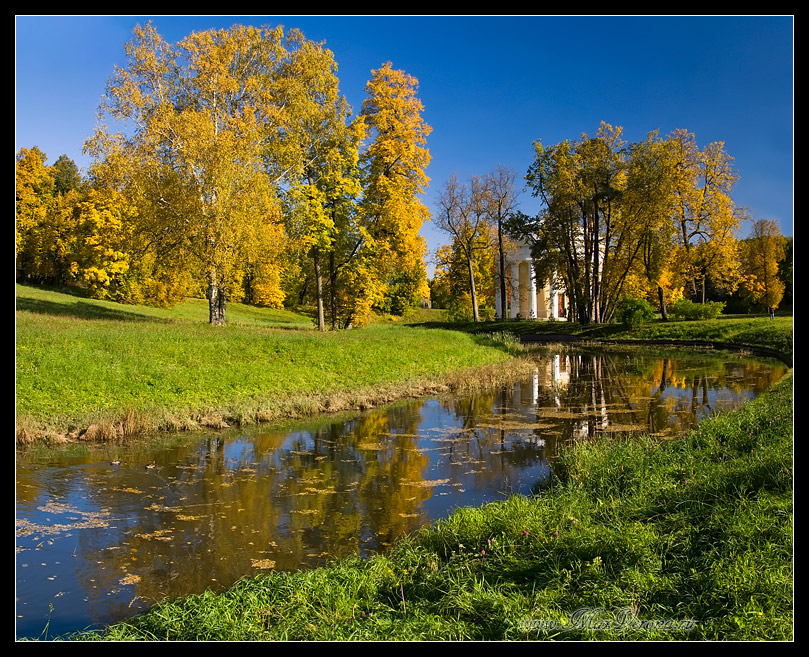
771	337
116	369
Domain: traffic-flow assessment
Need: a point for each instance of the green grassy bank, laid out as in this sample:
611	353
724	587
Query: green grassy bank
688	539
770	337
103	370
100	370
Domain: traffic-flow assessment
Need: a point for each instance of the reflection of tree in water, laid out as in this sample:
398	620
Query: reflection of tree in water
632	393
390	489
496	439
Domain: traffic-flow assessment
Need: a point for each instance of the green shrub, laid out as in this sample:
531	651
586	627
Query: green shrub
634	313
487	314
686	309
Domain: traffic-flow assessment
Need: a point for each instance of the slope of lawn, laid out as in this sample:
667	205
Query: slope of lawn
81	361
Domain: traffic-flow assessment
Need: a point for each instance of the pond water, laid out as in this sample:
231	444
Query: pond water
105	531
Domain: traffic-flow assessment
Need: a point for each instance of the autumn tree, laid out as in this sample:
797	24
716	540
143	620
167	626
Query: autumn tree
648	206
640	219
197	117
501	202
46	212
761	255
463	213
580	231
325	186
704	214
451	282
393	178
34	198
786	271
99	259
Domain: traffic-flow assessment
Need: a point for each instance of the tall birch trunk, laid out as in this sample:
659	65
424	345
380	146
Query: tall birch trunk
217	300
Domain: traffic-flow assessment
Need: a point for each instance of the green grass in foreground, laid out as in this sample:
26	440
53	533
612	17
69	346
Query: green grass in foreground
697	529
81	361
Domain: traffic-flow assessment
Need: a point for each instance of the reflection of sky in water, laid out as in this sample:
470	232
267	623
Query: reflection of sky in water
436	423
718	399
100	542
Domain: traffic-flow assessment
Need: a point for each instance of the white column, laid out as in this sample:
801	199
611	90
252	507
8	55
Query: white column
532	292
515	291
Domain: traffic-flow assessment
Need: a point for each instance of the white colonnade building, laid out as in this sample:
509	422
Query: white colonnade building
526	300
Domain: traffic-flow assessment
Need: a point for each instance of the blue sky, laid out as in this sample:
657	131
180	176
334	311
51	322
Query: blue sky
491	85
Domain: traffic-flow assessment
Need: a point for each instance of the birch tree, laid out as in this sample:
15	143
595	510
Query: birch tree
501	205
704	214
193	150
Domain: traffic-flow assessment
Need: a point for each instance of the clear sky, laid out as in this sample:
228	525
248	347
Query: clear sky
491	85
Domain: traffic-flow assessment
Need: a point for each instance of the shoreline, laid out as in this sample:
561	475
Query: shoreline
138	423
755	350
118	427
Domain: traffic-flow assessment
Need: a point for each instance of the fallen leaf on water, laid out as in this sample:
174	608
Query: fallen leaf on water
427	484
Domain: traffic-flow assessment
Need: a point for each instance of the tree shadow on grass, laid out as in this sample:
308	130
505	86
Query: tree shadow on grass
528	330
83	310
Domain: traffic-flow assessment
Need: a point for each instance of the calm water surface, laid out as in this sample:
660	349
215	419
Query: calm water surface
103	532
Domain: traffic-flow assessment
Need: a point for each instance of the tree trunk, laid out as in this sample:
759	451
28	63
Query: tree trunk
663	313
217	300
302	294
596	288
475	315
321	320
333	290
503	298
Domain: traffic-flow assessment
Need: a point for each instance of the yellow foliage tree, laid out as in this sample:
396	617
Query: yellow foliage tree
199	113
761	255
393	165
704	214
34	190
99	259
46	217
464	215
453	270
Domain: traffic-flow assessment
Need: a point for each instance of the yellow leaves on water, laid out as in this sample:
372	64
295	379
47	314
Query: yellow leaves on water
158	535
262	564
427	483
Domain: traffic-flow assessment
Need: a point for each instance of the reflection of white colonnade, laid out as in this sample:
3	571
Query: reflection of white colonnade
554	375
525	300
